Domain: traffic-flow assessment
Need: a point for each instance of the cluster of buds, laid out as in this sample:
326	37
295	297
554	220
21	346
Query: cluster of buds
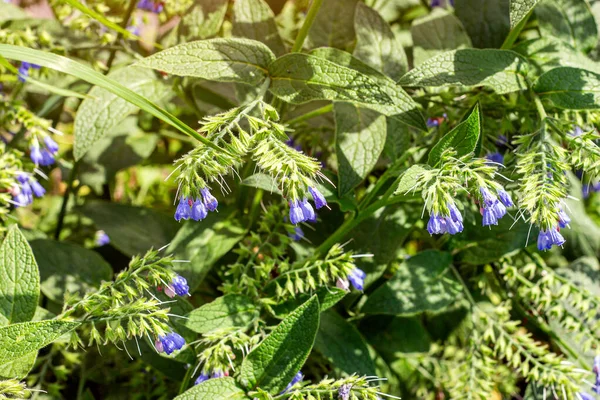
198	208
25	188
302	210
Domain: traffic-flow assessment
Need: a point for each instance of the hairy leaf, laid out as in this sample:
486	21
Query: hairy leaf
275	361
19	279
214	389
228	311
409	178
225	60
359	140
570	88
568	20
487	22
254	19
22	339
423	283
18	368
333	26
202	21
376	44
503	71
519	9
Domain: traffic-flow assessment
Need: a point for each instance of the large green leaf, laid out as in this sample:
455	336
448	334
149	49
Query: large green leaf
224	60
299	78
254	19
387	55
68	66
214	389
437	32
201	21
423	283
341	343
22	339
132	230
503	71
100	114
333	26
68	268
393	336
570	88
228	311
18	368
409	178
568	20
519	10
19	279
487	22
203	244
464	138
359	140
273	363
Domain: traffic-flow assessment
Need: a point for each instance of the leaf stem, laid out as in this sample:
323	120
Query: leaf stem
123	25
310	18
311	114
186	379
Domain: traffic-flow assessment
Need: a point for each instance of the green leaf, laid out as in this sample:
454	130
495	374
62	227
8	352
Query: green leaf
392	336
201	21
297	78
262	181
68	66
503	71
359	140
19	279
437	32
254	19
341	343
423	283
333	26
387	56
409	178
104	111
214	389
487	22
570	88
132	230
203	244
10	12
224	60
273	363
66	267
22	339
465	138
328	297
519	10
397	139
18	368
228	311
568	20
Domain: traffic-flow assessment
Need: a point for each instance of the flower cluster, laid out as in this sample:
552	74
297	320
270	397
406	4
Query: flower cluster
494	206
26	188
302	211
169	343
198	208
24	70
356	277
178	286
204	376
150	5
45	155
451	223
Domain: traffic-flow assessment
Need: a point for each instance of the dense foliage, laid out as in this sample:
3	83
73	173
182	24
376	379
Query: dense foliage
301	199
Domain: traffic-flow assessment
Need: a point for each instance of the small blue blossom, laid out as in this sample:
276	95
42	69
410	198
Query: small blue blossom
201	378
453	227
51	145
210	201
357	278
102	238
199	211
563	218
169	343
585	396
549	238
433	122
505	198
455	213
436	225
38	190
178	286
596	370
149	5
28	187
296	214
217	374
47	158
297	378
317	197
498	209
308	211
183	210
297	235
495	158
344	391
488	197
35	154
577	131
24	68
489	217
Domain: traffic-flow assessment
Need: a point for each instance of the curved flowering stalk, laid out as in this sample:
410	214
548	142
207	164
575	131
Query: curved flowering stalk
584	153
353	387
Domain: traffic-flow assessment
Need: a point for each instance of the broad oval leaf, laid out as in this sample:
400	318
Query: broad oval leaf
300	78
19	279
274	362
225	60
334	340
568	20
214	389
487	22
504	71
19	340
409	178
66	267
18	368
228	311
519	10
359	140
464	138
423	283
254	19
570	88
333	25
104	110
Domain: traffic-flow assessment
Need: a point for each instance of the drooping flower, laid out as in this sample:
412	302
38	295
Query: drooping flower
307	211
28	187
498	209
203	377
210	201
199	211
297	235
495	158
37	188
455	213
488	198
585	396
178	286
563	218
317	197
296	214
489	217
549	238
47	158
357	278
169	343
35	154
342	284
596	370
436	225
453	227
505	198
183	210
297	378
51	145
102	238
24	68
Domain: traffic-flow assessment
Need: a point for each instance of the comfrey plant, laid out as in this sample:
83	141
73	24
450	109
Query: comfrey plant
457	257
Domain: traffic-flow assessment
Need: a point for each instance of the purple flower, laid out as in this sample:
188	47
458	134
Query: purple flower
549	238
102	238
596	370
198	210
201	378
586	396
489	217
169	343
296	214
217	374
317	197
453	227
495	158
51	145
183	210
38	190
436	225
297	235
357	278
297	378
210	201
308	211
149	5
47	158
505	198
433	122
344	391
178	286
35	154
454	213
498	209
563	218
488	197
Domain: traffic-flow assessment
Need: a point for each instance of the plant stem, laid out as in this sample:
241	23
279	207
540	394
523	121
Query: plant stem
311	114
123	24
310	18
186	379
65	201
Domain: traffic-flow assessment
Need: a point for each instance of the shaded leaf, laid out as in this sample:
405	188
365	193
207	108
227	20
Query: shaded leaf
228	311
214	389
570	88
487	22
333	26
201	21
568	20
254	19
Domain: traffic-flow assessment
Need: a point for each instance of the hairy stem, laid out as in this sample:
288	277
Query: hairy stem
312	114
310	18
